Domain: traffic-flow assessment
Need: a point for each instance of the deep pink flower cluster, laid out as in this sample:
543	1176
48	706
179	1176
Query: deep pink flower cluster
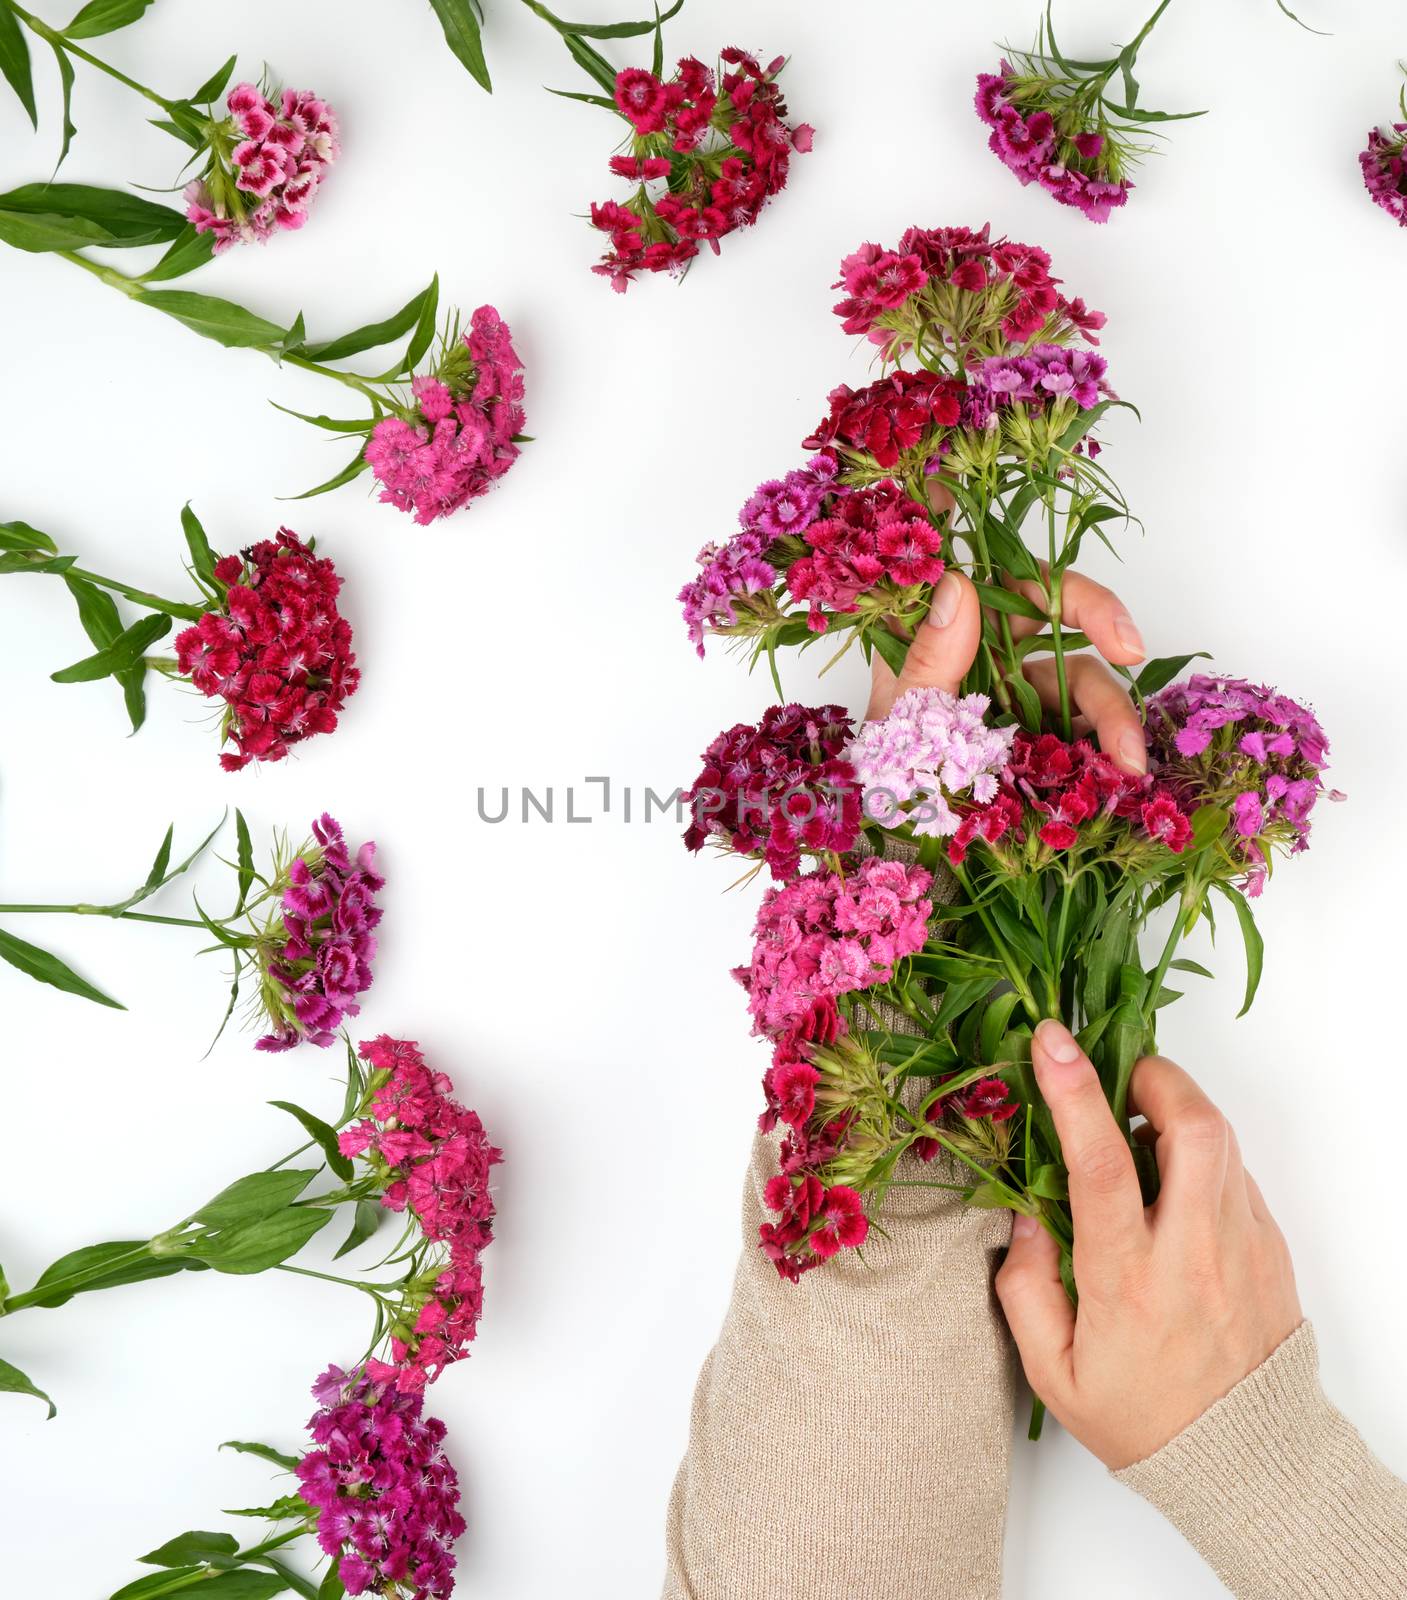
826	935
1245	746
778	788
815	1223
435	1160
987	1098
277	652
384	1492
316	959
1070	163
267	162
1054	789
901	412
1384	165
1015	277
461	437
717	147
869	536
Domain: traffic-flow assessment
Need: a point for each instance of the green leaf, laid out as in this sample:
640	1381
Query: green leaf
354	469
1132	113
609	30
894	652
592	62
20	536
13	1381
215	84
460	22
1294	18
259	1195
14	62
242	1584
288	1508
292	1580
1161	671
46	967
586	99
244	848
125	651
367	1217
265	1452
157	876
376	333
1250	935
105	16
1183	964
114	217
323	1135
1050	1183
202	556
1017	605
328	424
160	1583
424	330
332	1586
188	251
221	320
101	1266
186	1549
257	1246
66	86
97	611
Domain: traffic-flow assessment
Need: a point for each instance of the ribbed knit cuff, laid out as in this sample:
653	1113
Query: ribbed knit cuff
1279	1494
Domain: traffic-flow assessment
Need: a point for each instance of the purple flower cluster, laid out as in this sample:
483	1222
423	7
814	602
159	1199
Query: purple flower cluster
1069	164
932	747
1385	170
1262	755
738	568
385	1493
316	960
1047	372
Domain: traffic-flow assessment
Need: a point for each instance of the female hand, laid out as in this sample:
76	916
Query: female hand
946	645
1177	1302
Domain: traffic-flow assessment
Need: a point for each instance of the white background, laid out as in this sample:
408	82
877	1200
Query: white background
574	980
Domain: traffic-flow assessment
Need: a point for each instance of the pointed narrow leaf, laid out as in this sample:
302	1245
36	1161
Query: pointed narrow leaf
159	1583
1160	672
13	1381
214	84
157	875
244	857
47	968
105	16
460	22
586	99
354	469
125	651
591	61
608	30
102	1266
375	333
186	1549
255	1197
14	62
424	331
221	320
265	1452
202	556
97	611
66	85
20	536
188	251
126	219
292	1580
1250	934
257	1246
367	1217
323	1135
328	424
242	1584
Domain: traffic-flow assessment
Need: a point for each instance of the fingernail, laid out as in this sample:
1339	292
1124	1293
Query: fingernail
1023	1227
1133	751
943	607
1126	632
1057	1041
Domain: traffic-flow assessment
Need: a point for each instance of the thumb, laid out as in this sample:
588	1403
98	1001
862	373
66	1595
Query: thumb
1037	1308
944	647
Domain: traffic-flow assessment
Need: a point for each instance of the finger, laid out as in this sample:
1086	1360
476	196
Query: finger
1105	1198
1098	695
943	649
1194	1145
1259	1210
1092	609
1037	1309
1235	1200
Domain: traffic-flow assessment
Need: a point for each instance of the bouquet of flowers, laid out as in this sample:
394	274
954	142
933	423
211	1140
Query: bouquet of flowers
950	874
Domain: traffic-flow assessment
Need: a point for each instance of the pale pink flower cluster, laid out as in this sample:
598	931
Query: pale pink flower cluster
932	746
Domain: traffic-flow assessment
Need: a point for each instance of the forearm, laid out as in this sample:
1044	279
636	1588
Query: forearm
851	1433
1277	1491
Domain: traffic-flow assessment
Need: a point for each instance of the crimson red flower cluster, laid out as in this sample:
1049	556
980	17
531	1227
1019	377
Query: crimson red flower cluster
1055	788
778	788
717	147
435	1159
894	415
277	651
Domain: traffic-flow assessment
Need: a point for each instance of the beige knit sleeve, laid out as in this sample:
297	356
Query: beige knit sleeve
851	1434
1279	1494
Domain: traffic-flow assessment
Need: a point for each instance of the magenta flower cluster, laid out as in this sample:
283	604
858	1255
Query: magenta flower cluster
434	1159
1046	372
1026	139
1259	752
778	789
462	435
932	747
316	959
267	163
384	1492
1385	170
825	935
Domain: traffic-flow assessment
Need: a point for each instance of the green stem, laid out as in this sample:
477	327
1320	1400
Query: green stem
61	42
73	1282
352	380
1055	584
1014	973
104	911
154	602
275	1543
